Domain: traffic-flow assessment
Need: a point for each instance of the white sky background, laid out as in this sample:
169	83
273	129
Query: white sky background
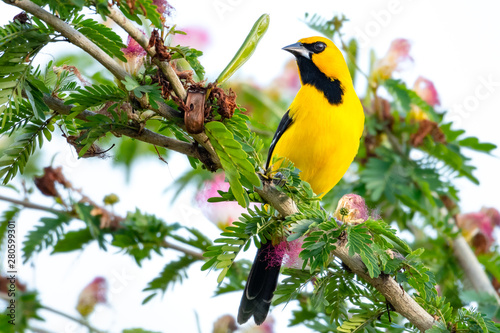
455	44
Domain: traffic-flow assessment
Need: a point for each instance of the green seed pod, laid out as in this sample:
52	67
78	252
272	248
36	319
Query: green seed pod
246	49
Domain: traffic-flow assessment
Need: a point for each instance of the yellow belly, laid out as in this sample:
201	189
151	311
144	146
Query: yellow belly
323	139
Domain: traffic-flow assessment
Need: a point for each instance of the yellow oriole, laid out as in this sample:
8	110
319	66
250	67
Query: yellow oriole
320	134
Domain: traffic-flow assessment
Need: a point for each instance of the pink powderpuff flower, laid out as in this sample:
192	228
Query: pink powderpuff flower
266	327
477	229
398	54
134	53
93	294
163	7
222	214
195	37
286	254
426	90
493	214
351	209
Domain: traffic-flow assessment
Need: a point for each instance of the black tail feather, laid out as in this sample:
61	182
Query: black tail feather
261	284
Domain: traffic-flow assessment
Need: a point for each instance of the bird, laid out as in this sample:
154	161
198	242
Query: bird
320	134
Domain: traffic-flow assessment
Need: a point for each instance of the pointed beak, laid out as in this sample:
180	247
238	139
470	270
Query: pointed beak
297	50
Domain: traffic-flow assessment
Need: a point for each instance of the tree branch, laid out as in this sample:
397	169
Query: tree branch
472	268
386	285
144	135
208	157
466	258
73	36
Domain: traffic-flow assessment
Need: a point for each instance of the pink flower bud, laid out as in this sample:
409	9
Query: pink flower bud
426	90
351	209
92	294
399	53
222	214
225	324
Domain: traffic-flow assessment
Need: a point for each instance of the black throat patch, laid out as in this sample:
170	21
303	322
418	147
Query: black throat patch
310	74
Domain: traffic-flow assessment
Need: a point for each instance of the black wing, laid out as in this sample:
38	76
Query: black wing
285	123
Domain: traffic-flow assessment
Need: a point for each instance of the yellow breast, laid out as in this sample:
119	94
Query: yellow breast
323	139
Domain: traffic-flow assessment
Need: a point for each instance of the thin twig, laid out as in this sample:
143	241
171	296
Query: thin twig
32	205
39	330
78	320
82	322
194	254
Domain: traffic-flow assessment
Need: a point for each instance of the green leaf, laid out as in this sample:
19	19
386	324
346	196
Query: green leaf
233	159
105	38
73	240
95	95
439	327
473	143
359	241
142	234
358	322
142	7
8	216
191	56
44	235
173	272
19	44
17	155
325	26
382	228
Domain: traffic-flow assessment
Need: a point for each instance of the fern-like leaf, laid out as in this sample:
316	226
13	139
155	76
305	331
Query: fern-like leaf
19	43
95	95
44	234
7	216
173	272
142	7
16	156
101	35
359	321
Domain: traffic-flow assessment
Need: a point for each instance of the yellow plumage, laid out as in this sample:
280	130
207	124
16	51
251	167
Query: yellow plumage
323	138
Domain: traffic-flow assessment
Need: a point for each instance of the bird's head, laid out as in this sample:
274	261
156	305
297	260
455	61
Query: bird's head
318	57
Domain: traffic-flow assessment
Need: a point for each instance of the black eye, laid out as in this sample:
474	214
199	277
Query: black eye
319	47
